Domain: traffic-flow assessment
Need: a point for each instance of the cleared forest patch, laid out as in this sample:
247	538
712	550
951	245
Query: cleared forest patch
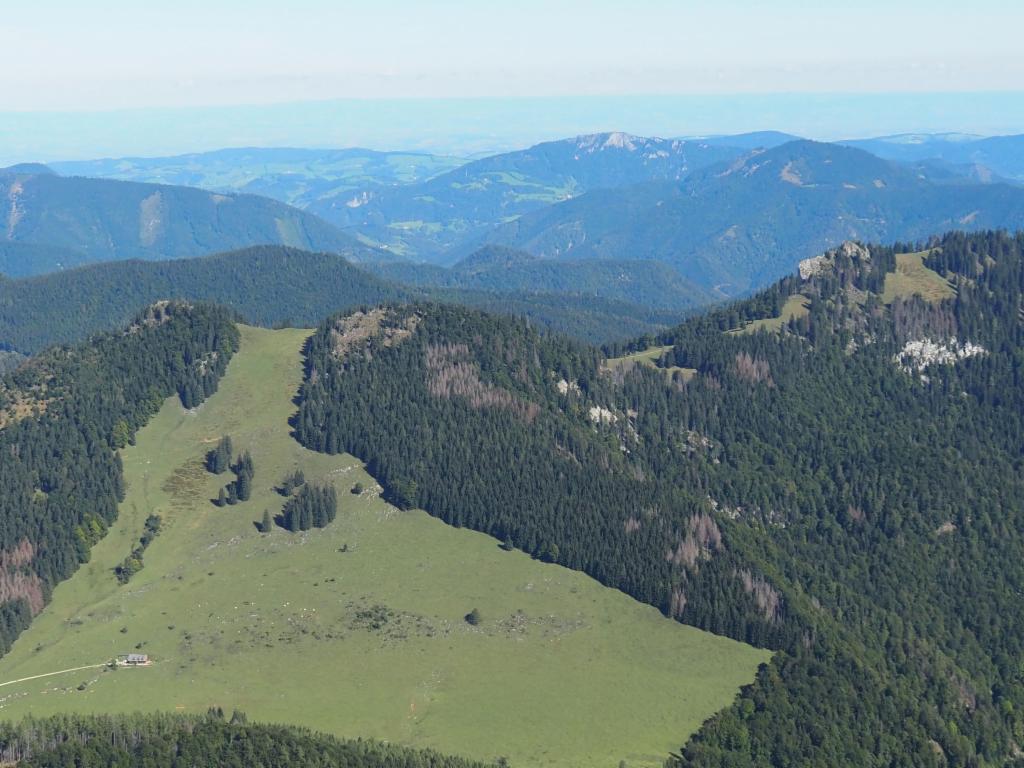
913	277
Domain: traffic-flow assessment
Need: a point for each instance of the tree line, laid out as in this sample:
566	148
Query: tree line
182	741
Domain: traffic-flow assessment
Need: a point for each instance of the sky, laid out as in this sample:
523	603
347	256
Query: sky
158	64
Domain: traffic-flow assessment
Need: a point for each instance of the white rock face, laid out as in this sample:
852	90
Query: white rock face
600	415
359	200
564	387
619	140
918	354
815	265
596	142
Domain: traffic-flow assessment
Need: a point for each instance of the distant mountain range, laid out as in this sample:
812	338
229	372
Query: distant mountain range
1001	156
752	140
721	215
53	222
427	219
740	225
295	176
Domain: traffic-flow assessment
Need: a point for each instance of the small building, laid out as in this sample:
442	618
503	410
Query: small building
133	660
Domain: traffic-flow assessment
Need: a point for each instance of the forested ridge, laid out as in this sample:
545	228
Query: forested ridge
185	741
504	270
847	490
267	285
273	286
63	415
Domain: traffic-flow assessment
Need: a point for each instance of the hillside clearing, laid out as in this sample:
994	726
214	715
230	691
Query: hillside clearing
357	629
913	277
797	305
650	357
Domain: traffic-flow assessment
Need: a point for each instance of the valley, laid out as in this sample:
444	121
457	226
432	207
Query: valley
357	629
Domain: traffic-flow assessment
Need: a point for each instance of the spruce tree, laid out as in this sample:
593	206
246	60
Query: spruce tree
218	460
245	464
267	523
332	504
243	486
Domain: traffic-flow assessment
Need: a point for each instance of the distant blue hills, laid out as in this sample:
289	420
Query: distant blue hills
726	214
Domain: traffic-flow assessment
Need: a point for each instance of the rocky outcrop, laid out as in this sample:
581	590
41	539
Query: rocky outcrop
918	354
817	265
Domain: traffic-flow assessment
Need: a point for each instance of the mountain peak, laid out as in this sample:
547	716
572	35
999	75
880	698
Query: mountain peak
28	169
597	142
805	163
493	257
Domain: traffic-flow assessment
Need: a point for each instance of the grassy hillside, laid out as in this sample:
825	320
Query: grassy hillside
357	629
796	306
912	277
650	357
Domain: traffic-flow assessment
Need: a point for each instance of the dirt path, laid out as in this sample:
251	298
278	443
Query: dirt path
50	674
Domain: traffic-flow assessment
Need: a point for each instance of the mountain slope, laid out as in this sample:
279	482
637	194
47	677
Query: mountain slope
740	226
428	218
841	483
63	415
55	223
356	628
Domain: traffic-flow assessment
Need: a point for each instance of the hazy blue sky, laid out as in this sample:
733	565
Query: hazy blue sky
66	56
72	54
